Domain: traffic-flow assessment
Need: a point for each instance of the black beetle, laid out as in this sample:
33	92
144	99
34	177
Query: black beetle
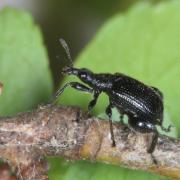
141	103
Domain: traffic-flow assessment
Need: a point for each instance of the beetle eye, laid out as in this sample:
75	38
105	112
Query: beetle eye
83	75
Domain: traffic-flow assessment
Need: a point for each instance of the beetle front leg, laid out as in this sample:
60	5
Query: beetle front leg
74	85
109	113
93	102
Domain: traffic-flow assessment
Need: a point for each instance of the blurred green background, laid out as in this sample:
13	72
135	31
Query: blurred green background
138	38
75	21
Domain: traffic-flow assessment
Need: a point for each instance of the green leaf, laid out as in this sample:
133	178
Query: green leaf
143	43
58	168
24	68
83	170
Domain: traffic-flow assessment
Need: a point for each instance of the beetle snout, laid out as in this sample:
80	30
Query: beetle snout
66	70
69	70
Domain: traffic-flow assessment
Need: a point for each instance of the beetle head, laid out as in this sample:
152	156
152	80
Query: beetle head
83	74
69	70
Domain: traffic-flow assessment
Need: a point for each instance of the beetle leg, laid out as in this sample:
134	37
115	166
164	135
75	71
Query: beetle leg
167	129
109	113
92	103
153	145
121	118
75	85
78	116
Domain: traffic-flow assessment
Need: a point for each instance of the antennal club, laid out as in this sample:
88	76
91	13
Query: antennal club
67	50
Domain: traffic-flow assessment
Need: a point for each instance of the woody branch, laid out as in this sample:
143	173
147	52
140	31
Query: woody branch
68	132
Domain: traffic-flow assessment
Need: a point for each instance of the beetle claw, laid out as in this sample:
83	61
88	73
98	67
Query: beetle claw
167	129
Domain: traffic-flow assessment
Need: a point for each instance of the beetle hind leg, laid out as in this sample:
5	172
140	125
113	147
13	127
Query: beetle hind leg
152	145
109	113
168	129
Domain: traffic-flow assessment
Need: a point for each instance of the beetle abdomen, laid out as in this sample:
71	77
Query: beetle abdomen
136	98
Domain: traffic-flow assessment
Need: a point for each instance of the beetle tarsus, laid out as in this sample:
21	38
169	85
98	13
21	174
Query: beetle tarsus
154	159
78	116
113	143
168	129
75	85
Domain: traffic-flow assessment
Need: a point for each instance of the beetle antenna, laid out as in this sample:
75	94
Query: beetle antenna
67	50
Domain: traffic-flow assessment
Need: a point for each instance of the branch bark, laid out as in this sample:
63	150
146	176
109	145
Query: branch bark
68	132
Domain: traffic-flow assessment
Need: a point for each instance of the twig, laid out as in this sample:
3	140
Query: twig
68	132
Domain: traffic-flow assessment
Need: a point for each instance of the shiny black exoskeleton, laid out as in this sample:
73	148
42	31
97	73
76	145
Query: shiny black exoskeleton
141	103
